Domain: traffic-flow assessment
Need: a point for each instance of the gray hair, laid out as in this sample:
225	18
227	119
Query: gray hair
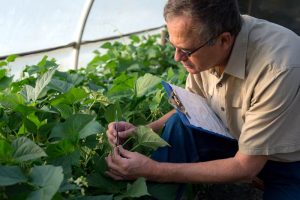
217	16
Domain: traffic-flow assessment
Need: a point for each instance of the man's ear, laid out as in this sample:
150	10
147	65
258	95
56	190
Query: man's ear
225	40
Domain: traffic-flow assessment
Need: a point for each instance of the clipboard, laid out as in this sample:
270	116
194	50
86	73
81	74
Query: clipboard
186	113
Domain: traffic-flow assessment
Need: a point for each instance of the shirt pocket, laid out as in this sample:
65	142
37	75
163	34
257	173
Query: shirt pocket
236	117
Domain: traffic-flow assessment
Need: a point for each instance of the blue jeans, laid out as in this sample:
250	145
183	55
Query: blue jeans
281	180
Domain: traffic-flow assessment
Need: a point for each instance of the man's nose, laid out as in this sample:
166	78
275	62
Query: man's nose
179	55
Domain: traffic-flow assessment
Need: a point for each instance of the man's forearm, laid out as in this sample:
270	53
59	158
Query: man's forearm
157	125
217	171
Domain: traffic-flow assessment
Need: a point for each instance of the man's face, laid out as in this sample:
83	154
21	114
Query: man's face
184	36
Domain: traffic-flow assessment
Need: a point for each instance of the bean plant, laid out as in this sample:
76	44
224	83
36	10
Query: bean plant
52	123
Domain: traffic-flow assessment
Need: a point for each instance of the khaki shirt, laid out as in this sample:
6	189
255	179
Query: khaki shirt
258	95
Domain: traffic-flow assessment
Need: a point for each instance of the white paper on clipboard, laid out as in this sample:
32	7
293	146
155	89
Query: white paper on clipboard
200	113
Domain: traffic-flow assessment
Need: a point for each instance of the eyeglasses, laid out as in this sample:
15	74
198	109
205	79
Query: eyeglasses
188	53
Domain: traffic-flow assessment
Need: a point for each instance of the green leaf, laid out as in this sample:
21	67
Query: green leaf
163	191
152	52
135	38
3	63
76	127
48	179
11	58
106	45
11	100
110	112
105	184
2	73
70	77
5	82
29	126
146	137
123	85
60	86
10	175
25	110
40	89
74	95
33	118
5	151
146	83
100	98
137	189
66	161
100	197
65	110
26	150
62	148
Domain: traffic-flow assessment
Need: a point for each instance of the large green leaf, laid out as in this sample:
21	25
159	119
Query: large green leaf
146	137
32	117
10	175
11	100
110	112
135	190
100	197
72	78
40	89
123	85
26	150
67	161
105	184
5	82
48	179
72	96
76	127
61	148
163	191
5	151
146	83
65	110
25	110
59	85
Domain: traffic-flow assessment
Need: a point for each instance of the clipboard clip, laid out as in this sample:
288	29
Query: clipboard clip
176	103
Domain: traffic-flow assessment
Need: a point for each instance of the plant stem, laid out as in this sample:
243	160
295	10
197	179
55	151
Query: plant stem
135	147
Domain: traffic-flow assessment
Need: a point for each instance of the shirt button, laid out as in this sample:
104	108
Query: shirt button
219	85
222	108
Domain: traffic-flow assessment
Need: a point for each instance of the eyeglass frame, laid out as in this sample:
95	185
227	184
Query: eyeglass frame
188	53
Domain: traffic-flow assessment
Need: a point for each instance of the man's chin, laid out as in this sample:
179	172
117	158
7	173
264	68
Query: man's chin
191	70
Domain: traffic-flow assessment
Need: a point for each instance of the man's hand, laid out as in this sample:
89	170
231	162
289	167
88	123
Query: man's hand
125	129
126	165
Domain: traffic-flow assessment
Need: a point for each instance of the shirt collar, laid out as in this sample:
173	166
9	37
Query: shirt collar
236	65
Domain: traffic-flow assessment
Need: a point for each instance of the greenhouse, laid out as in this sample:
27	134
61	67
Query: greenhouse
70	69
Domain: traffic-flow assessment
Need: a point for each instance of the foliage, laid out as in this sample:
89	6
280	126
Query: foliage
52	123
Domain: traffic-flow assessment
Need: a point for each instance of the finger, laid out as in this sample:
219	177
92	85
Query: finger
111	125
111	133
116	155
126	133
110	138
112	163
114	176
123	152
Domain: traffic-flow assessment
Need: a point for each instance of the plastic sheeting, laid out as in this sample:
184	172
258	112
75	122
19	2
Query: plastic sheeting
32	25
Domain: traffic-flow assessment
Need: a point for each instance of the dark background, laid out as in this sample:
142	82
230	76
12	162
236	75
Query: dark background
283	12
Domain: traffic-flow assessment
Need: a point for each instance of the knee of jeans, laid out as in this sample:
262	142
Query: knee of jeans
172	126
173	120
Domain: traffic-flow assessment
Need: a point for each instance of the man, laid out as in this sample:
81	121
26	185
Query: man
249	71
